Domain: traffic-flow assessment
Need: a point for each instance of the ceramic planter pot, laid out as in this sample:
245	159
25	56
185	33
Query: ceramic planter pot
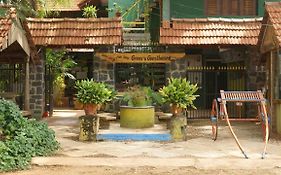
175	110
91	109
136	117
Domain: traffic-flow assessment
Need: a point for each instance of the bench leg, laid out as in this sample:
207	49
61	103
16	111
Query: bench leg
232	132
266	129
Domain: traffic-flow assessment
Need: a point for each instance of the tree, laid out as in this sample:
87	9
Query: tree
30	8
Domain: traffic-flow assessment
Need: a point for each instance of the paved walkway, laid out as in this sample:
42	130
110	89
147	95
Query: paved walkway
198	151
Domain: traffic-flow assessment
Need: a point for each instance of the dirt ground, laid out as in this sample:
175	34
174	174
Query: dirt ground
58	170
198	148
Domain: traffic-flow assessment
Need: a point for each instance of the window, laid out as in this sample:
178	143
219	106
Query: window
230	7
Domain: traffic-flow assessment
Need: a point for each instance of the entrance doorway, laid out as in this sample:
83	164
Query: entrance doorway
152	75
212	78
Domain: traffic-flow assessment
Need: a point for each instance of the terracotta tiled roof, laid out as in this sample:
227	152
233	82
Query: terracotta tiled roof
210	31
75	32
5	25
273	17
68	5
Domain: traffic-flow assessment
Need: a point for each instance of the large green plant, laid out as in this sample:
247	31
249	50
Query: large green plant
91	92
179	92
22	139
138	96
59	65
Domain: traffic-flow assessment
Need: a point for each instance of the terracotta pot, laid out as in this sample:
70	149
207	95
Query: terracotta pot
176	110
91	109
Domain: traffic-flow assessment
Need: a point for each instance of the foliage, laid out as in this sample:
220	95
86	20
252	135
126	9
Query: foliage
179	92
21	139
91	92
90	11
31	8
138	96
59	63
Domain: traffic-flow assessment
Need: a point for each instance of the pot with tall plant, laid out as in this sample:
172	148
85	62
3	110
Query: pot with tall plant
139	111
92	94
180	94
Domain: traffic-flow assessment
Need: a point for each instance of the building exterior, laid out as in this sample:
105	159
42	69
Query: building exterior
210	42
269	44
15	60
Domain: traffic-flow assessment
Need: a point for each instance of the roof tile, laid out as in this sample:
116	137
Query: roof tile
273	14
5	25
206	31
75	31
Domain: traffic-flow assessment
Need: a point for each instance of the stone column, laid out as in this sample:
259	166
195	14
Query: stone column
256	76
176	69
37	89
103	71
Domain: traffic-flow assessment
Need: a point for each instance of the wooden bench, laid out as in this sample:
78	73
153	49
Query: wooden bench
220	111
104	119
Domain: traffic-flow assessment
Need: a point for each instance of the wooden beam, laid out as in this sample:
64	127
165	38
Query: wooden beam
26	86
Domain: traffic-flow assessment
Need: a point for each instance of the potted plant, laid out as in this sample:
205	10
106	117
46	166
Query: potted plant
139	111
179	93
92	94
90	11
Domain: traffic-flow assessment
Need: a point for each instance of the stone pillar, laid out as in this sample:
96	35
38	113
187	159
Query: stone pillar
103	71
37	89
176	69
177	128
89	125
256	75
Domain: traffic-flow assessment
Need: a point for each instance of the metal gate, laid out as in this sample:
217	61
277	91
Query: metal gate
211	80
12	81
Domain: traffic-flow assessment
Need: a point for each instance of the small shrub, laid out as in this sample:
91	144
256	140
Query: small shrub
179	92
92	92
22	139
90	11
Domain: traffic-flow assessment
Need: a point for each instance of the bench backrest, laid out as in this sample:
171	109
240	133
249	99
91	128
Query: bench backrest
242	96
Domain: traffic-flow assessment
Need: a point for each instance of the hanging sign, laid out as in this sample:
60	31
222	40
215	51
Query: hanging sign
140	57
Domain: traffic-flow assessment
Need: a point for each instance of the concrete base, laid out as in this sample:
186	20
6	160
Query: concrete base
178	128
88	128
